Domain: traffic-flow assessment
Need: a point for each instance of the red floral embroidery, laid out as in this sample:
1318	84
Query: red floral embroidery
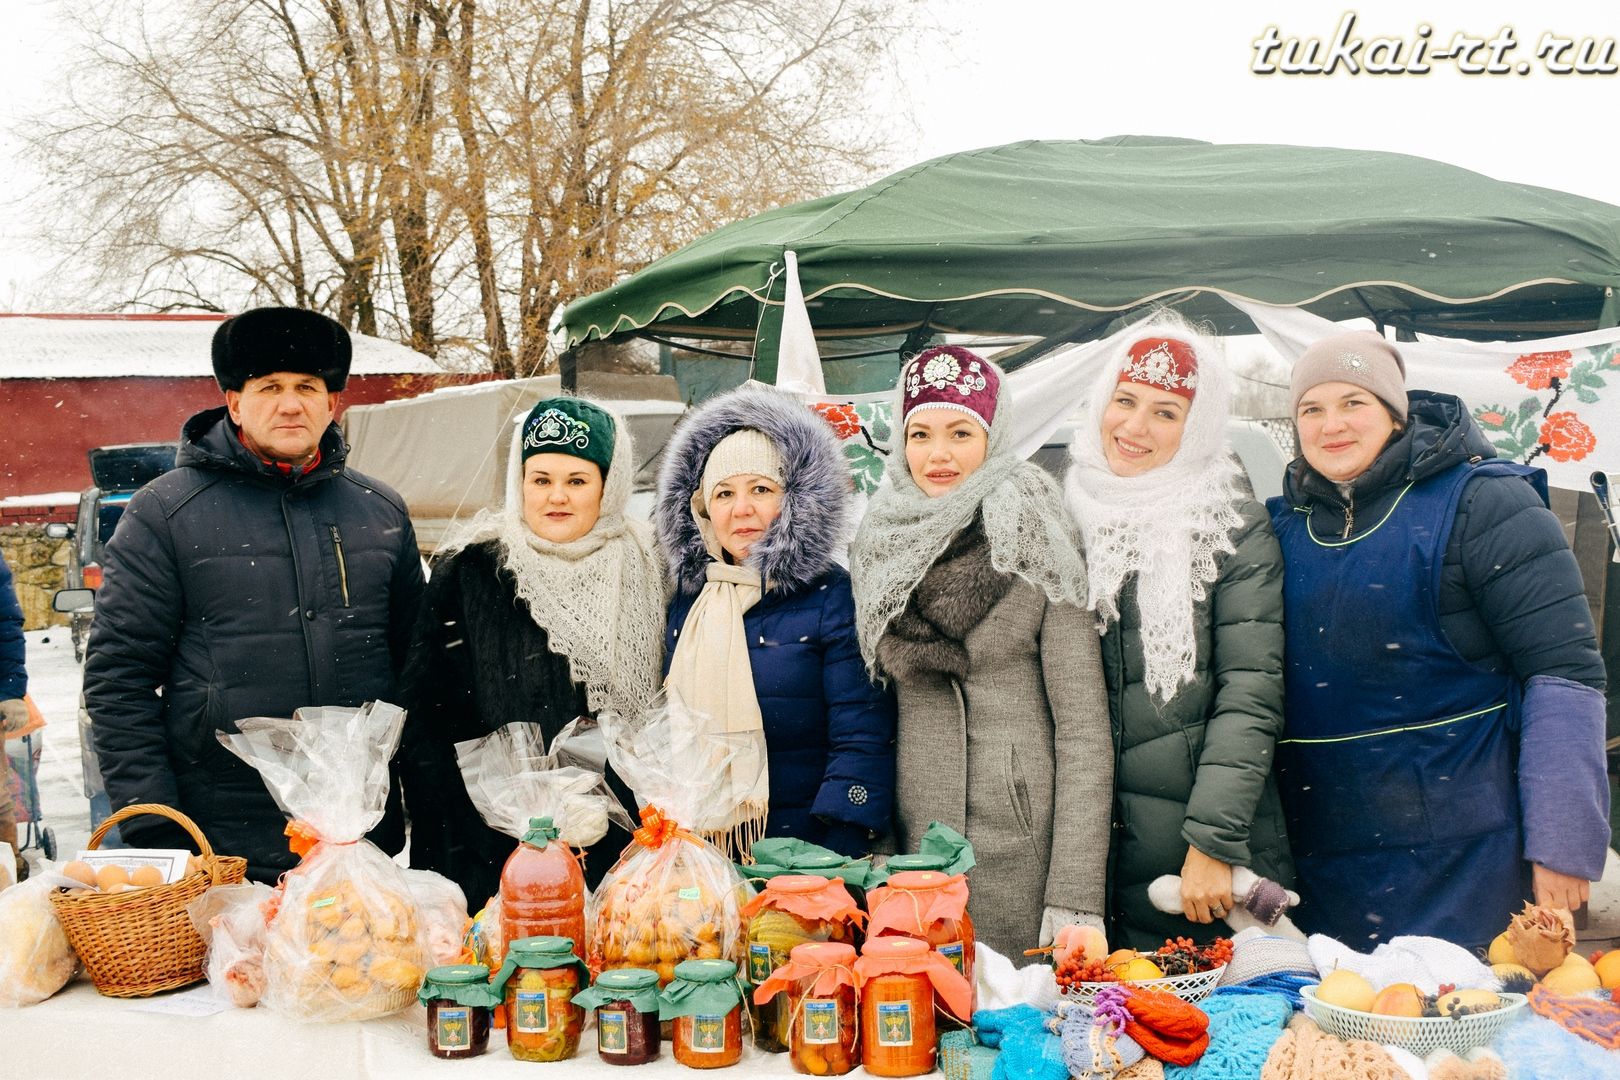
1566	437
841	418
1537	370
1490	418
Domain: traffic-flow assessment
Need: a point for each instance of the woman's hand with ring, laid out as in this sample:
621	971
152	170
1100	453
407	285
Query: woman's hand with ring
1206	887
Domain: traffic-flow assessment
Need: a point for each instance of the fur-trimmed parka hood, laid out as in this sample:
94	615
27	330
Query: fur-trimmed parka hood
801	544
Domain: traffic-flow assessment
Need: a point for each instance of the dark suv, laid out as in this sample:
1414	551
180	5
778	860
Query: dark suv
116	473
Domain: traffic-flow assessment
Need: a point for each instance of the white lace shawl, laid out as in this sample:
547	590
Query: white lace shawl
905	531
1166	526
600	599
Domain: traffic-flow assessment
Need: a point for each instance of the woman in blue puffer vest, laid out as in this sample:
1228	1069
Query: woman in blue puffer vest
753	505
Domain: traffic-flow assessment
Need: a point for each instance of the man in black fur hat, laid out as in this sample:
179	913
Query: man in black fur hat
258	577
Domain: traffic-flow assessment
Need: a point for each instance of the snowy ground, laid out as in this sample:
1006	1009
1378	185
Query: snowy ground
54	679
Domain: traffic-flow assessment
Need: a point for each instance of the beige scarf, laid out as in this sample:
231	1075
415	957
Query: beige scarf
711	673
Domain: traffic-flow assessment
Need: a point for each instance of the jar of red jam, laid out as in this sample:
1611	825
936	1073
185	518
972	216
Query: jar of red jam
538	982
791	910
459	1003
705	1002
930	906
626	1004
900	979
817	986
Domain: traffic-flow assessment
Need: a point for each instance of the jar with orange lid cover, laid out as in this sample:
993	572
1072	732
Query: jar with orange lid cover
821	999
930	906
899	980
793	909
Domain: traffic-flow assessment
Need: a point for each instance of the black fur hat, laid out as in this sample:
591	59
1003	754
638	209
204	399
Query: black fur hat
270	339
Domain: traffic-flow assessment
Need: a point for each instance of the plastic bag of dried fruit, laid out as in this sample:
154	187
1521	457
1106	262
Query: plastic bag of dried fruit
346	941
230	921
673	895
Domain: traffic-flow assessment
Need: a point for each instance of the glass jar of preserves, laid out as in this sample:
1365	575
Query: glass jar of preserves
932	907
824	1025
626	1004
705	1002
459	1003
537	983
899	980
791	910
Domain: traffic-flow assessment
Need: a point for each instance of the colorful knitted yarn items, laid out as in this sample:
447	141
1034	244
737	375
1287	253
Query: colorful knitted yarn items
1094	1042
1592	1019
1535	1048
1028	1050
1305	1052
1444	1065
1242	1030
1146	1069
1174	1031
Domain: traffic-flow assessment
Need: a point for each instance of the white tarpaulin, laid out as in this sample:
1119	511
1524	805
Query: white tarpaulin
1552	403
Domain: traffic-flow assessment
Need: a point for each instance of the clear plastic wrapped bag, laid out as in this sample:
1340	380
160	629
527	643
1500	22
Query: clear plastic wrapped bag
346	941
512	778
443	907
672	896
35	958
231	922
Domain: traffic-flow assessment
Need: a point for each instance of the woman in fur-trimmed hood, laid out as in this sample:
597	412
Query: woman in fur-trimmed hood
970	595
753	506
548	608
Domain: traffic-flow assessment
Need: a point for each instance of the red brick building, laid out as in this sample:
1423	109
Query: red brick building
72	382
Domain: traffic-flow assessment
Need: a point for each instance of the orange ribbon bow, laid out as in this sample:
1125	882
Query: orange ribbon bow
657	828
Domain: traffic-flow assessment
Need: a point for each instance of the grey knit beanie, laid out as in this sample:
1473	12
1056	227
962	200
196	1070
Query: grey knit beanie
1358	357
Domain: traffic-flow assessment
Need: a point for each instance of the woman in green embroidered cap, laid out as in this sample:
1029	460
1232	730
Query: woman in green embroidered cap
547	609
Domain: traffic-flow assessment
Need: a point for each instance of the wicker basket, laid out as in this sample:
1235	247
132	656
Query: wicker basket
141	942
1194	986
1422	1035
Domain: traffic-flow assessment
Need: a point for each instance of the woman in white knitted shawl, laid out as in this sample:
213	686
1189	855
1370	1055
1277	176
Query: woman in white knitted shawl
1186	578
545	610
969	598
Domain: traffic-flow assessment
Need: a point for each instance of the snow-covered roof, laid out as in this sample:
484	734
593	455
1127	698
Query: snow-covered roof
103	346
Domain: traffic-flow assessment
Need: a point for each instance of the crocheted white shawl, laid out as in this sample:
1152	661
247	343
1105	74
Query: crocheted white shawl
600	599
1166	526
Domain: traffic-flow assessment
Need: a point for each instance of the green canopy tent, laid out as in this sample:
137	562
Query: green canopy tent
1057	240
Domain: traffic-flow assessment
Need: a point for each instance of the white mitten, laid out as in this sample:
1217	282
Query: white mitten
1054	919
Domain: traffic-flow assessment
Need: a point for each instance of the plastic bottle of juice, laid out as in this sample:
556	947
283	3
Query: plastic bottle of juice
543	889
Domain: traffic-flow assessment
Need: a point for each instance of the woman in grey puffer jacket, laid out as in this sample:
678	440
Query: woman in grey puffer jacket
1187	576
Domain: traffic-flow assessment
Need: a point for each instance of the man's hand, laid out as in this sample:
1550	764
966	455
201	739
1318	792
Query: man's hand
1206	887
13	715
1556	890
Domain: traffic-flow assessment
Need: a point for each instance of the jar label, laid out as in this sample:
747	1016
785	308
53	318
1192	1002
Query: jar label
708	1034
952	951
894	1023
452	1030
612	1031
821	1020
759	963
532	1014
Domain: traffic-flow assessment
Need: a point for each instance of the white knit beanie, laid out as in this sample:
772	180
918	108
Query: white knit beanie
743	452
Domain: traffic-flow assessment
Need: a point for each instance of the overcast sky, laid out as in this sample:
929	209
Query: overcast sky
1064	69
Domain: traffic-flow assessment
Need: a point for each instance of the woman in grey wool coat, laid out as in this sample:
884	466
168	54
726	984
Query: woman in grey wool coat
969	597
1187	577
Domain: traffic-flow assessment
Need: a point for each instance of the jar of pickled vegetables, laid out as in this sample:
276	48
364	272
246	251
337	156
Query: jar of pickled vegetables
900	980
791	910
705	1003
459	1004
538	982
818	985
626	1004
930	906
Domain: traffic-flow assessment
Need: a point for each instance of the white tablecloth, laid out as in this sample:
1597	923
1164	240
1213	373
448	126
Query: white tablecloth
80	1035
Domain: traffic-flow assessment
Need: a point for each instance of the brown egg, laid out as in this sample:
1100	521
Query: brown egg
144	877
79	870
111	875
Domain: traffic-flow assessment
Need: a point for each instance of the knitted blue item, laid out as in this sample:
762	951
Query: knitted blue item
1028	1050
1281	984
1243	1026
1536	1048
1086	1051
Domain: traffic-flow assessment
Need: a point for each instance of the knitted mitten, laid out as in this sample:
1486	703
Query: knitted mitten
1174	1031
1028	1050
